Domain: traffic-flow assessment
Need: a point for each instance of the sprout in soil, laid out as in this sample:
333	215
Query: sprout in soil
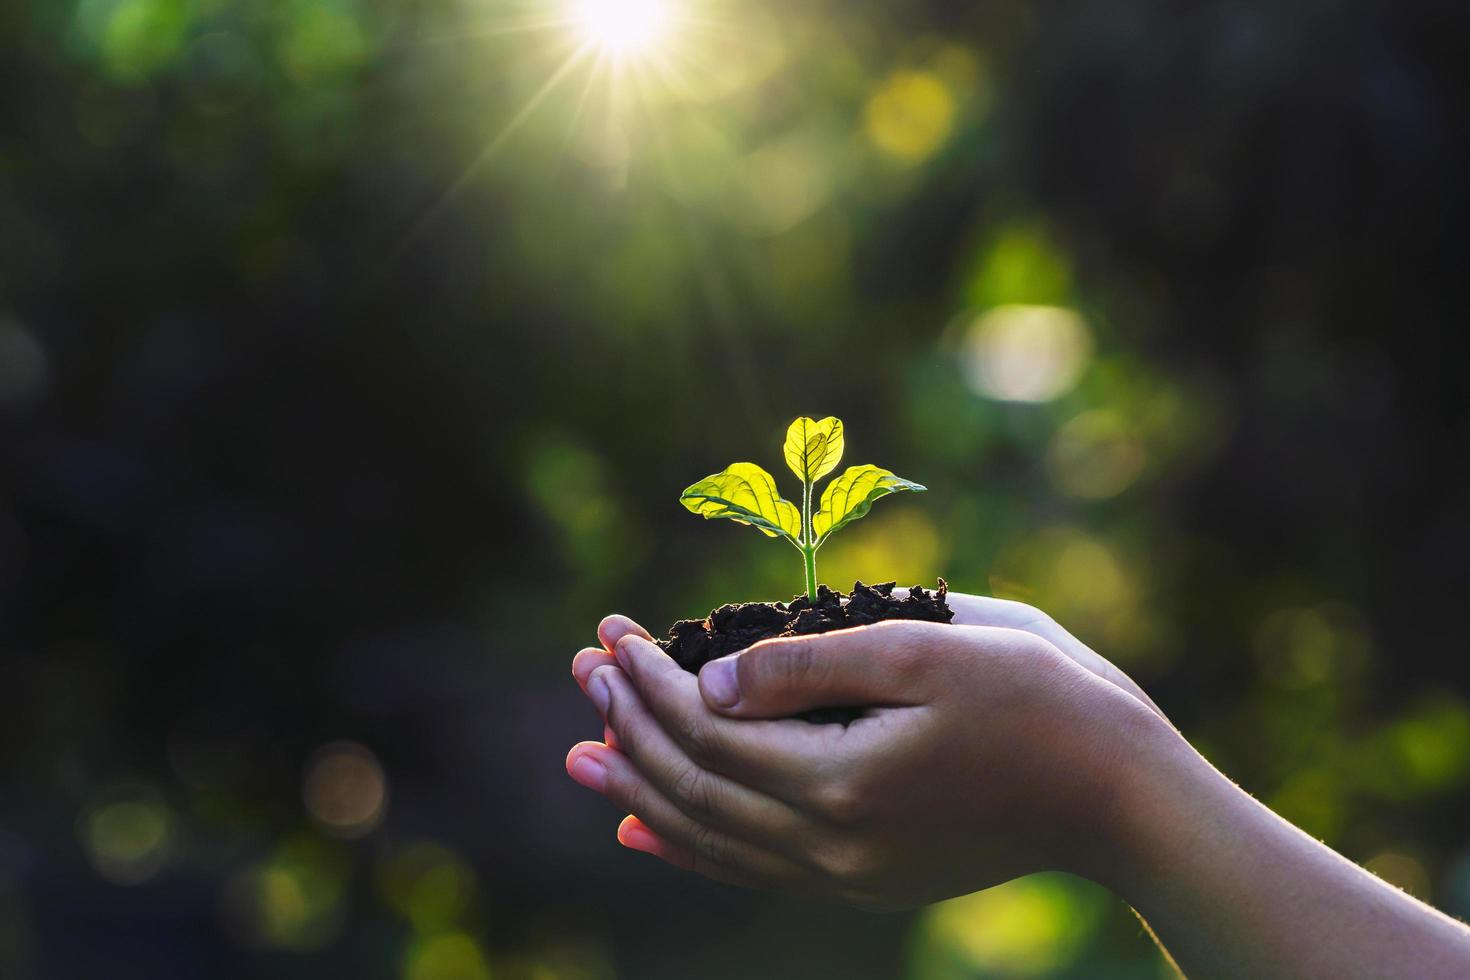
745	493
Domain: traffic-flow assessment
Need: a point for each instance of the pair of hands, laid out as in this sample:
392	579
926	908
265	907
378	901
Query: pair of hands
990	748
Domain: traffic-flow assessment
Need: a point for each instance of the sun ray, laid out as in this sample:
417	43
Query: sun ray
714	285
581	104
527	26
638	56
494	146
585	96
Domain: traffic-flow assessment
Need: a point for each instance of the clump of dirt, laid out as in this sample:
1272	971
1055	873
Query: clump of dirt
731	628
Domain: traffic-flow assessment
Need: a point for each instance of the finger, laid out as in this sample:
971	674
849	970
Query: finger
974	610
876	664
636	835
704	849
977	610
613	628
588	660
583	664
777	758
703	795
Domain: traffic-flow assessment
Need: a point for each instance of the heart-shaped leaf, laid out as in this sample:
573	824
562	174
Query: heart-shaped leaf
813	449
745	493
851	495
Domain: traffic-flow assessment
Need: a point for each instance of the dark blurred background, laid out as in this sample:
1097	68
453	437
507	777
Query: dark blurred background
353	354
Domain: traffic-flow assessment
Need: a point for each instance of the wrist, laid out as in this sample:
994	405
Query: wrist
1145	770
1163	786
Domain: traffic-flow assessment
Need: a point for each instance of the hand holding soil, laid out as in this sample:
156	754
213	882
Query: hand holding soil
978	751
986	752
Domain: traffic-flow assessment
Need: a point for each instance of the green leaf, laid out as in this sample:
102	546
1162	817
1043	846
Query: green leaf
813	449
851	495
746	494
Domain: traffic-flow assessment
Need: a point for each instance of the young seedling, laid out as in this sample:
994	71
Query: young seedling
746	494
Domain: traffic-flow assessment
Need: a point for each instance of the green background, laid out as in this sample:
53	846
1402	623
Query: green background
353	354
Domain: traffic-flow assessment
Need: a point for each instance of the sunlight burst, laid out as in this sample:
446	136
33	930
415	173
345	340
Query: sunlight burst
623	28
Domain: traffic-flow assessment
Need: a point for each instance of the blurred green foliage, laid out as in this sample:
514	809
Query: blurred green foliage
351	352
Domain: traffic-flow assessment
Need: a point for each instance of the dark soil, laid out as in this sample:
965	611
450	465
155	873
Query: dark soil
731	628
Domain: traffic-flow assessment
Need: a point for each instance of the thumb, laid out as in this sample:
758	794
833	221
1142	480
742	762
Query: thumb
782	677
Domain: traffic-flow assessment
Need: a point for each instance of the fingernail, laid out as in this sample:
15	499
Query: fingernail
638	839
598	691
589	772
621	648
720	683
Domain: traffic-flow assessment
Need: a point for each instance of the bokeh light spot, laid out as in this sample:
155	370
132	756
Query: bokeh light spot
569	959
135	38
910	115
1433	743
1086	582
448	956
1025	353
1304	646
1096	455
1401	870
323	39
291	901
128	835
344	789
1021	265
780	185
426	883
1089	572
1029	927
570	485
901	544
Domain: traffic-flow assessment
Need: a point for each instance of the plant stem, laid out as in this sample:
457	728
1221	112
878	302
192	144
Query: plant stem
808	546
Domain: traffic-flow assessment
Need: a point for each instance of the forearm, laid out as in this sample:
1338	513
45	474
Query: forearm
1232	890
